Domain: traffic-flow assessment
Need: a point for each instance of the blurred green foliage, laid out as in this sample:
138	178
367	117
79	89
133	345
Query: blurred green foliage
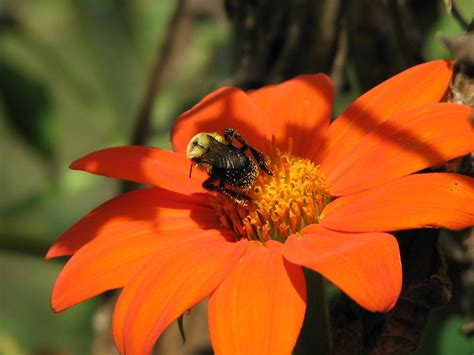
72	73
71	76
444	337
33	121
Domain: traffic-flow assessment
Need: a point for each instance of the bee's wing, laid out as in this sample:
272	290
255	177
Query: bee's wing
221	155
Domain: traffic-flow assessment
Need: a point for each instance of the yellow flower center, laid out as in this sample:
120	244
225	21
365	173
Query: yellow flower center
283	204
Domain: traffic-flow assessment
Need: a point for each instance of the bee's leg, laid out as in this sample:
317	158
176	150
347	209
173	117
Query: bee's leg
235	196
208	184
230	133
260	159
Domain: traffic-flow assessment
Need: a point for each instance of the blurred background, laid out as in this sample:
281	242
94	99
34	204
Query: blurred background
81	75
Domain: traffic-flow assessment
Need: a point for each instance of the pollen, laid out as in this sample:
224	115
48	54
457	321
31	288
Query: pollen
282	204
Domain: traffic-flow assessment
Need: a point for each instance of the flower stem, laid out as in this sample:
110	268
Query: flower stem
315	334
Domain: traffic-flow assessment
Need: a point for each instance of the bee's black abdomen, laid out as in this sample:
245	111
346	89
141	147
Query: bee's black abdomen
241	176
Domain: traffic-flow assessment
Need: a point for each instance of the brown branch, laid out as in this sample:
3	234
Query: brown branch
400	34
142	128
340	58
163	55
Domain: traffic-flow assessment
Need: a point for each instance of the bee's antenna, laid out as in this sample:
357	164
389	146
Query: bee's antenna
190	170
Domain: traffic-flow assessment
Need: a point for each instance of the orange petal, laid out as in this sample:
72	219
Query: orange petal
145	165
299	108
407	142
225	108
165	209
176	278
366	266
259	308
415	86
415	201
107	262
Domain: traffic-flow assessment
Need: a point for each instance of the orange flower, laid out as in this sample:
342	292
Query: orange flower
337	190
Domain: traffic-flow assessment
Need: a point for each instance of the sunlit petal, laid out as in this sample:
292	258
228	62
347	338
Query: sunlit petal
145	165
225	108
365	266
405	143
299	108
421	84
259	308
164	209
176	278
107	262
415	201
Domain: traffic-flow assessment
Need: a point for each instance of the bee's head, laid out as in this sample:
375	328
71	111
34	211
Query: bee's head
197	146
200	144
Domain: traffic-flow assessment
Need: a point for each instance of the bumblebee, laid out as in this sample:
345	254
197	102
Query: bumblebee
227	165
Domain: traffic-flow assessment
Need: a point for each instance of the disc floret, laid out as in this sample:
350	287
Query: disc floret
283	204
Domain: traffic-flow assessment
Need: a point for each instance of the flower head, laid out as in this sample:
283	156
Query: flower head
336	191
